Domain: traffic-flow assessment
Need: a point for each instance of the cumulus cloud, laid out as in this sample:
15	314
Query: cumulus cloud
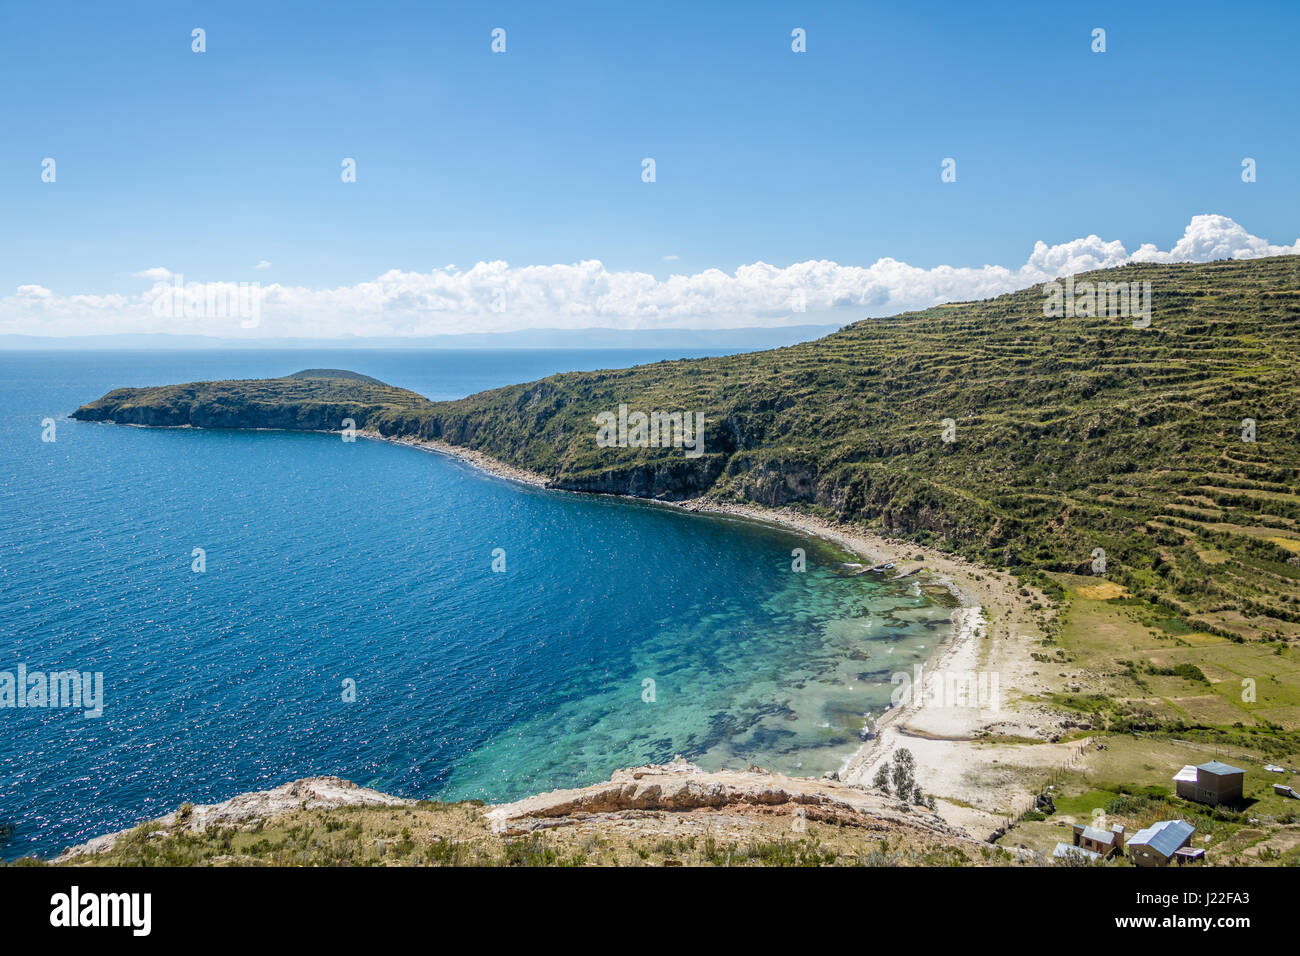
1214	237
494	296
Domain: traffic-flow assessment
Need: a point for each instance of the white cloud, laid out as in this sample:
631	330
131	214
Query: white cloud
262	264
493	296
671	258
1213	237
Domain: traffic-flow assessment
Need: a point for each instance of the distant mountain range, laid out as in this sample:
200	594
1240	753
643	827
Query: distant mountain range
742	339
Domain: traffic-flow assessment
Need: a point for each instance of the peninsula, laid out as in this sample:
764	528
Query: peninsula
1114	502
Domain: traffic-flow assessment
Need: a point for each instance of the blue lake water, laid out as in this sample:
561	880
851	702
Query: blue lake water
329	561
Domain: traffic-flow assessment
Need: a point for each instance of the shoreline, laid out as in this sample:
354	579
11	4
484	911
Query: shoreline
979	783
484	463
992	635
993	631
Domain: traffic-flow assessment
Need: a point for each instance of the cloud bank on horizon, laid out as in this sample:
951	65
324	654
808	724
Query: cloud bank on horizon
495	297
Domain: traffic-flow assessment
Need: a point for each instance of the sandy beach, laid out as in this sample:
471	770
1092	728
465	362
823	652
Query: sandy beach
983	760
962	753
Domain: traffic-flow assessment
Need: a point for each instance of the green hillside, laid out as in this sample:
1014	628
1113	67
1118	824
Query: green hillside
1071	434
318	403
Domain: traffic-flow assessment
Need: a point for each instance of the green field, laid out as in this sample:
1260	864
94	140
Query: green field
1129	783
1157	695
1129	650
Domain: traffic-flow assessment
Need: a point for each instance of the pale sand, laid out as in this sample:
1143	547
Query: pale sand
979	783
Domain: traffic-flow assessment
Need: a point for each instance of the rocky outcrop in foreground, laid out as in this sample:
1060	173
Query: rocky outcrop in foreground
683	787
671	814
310	793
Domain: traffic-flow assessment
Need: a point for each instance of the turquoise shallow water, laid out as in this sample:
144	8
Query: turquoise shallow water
329	561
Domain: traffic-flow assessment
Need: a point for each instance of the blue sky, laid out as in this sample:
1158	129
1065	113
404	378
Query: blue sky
207	164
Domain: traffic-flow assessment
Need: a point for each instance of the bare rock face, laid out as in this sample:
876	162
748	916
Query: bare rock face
669	481
683	787
310	793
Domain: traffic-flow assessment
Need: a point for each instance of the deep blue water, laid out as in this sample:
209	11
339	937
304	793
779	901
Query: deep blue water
328	561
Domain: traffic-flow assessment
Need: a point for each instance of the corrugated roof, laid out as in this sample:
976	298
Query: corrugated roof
1218	768
1164	837
1187	774
1099	836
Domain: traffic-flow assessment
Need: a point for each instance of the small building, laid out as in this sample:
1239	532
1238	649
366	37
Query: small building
1158	844
1285	791
1213	783
1101	842
1065	851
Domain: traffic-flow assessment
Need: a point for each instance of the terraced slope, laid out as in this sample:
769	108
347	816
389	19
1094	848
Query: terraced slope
1070	434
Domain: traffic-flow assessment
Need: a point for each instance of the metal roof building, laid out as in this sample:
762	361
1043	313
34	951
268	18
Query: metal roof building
1100	836
1219	768
1214	782
1157	844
